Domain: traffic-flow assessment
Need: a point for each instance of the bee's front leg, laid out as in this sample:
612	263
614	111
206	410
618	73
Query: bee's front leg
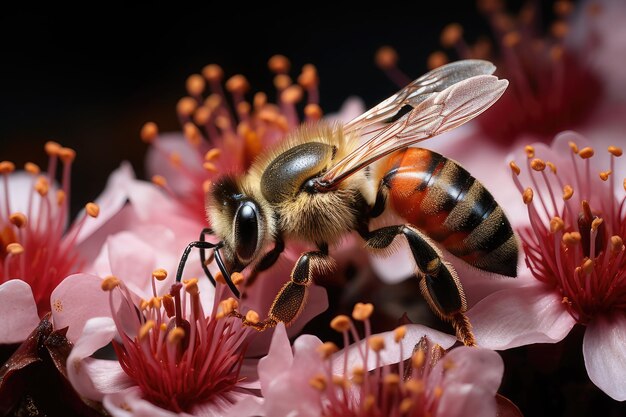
291	298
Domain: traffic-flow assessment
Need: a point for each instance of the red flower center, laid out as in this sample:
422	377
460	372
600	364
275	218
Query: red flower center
35	246
176	354
576	243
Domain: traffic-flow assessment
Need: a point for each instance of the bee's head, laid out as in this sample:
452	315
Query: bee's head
238	220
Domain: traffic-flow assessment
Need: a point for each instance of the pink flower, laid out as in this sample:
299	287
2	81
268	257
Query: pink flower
598	24
173	356
218	138
37	246
372	377
574	250
562	78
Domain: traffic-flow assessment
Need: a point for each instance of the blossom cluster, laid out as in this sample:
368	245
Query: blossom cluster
134	307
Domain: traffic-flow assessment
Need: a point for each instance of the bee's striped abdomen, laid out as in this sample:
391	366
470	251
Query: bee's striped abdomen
451	207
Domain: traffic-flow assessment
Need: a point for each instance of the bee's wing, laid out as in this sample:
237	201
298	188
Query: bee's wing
439	101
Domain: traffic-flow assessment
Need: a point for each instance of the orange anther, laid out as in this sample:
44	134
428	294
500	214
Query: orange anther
14	248
386	57
195	84
362	311
213	72
186	106
340	323
18	219
67	155
149	132
436	60
451	35
586	153
109	283
92	209
527	196
159	274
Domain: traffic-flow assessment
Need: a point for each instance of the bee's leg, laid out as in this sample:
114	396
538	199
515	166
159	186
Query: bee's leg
266	262
202	244
203	233
439	283
291	298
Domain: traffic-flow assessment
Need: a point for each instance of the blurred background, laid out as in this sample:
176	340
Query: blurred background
91	82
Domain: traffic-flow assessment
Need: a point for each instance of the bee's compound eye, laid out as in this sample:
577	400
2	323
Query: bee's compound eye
246	231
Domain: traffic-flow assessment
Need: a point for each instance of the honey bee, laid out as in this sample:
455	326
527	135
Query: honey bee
326	180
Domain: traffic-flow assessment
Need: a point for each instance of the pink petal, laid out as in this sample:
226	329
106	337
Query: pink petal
460	400
133	256
248	407
474	365
20	189
152	205
280	400
278	358
92	246
93	378
520	316
391	353
395	267
131	259
351	108
604	350
306	358
471	381
220	405
128	403
249	375
282	373
18	311
158	163
75	300
110	201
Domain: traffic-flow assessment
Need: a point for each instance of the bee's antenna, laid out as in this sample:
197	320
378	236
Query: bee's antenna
225	274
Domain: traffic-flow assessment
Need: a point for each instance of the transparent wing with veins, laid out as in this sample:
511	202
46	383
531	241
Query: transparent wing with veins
440	100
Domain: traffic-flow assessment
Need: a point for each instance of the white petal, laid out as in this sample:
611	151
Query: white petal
461	400
158	163
110	201
93	378
391	353
604	348
520	316
351	108
77	299
248	407
128	403
279	358
20	191
18	311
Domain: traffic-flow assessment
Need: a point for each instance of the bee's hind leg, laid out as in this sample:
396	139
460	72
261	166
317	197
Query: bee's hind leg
291	298
439	283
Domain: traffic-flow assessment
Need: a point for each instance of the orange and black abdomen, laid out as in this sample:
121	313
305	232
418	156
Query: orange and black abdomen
449	205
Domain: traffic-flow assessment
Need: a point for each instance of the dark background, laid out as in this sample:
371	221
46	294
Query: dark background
91	81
